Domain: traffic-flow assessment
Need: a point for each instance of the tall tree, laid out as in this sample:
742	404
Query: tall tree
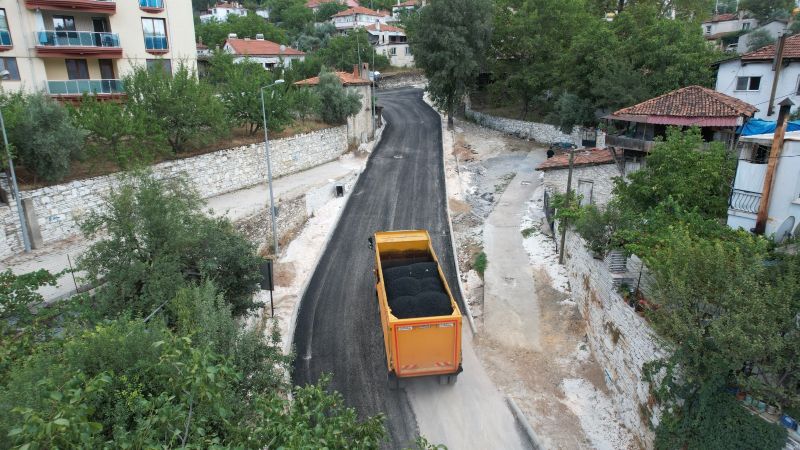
449	39
768	9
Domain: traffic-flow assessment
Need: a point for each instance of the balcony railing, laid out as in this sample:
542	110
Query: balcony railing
79	87
5	37
77	39
746	201
156	42
151	4
629	143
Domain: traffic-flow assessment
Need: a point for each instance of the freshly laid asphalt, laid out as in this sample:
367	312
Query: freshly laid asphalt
338	326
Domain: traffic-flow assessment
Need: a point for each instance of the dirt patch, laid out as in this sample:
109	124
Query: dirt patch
284	274
458	206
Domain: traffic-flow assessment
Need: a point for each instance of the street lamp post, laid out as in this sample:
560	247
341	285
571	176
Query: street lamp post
26	242
269	168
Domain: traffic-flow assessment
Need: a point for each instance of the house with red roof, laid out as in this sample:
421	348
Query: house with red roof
407	6
392	42
750	77
593	173
267	53
315	4
359	17
725	28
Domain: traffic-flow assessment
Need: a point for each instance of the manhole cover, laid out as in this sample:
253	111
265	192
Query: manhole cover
398	156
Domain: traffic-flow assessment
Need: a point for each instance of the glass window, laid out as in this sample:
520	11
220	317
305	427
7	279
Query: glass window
746	26
393	51
64	23
77	69
748	83
155	34
5	35
10	64
160	64
585	188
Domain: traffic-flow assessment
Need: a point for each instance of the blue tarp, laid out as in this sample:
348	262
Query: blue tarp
758	126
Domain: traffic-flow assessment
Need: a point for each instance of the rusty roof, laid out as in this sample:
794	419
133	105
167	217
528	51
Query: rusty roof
791	50
587	157
347	79
691	101
260	47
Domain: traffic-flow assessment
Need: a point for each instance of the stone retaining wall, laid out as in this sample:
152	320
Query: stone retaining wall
621	340
60	208
401	80
539	132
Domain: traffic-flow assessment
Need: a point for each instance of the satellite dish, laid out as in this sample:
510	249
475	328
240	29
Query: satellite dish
784	231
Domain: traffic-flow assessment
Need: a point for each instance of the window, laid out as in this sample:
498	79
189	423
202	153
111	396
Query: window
748	83
585	188
393	51
408	50
746	26
155	34
160	64
5	35
63	23
10	64
77	69
708	29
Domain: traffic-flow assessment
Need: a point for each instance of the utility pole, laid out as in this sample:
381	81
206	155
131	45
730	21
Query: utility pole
777	66
563	223
774	157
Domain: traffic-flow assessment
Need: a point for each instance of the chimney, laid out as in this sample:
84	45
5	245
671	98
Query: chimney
355	71
260	37
232	36
364	71
247	39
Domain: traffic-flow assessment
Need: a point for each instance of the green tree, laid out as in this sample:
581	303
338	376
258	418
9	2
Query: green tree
304	103
214	33
345	51
571	111
186	110
449	40
758	39
119	133
326	10
42	134
156	240
767	9
336	103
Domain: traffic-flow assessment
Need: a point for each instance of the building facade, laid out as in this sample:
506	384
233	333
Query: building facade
750	77
221	11
87	46
359	17
593	175
723	29
266	53
391	42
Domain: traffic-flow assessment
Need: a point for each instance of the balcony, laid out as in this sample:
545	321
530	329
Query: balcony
156	43
64	44
90	6
629	143
58	88
151	6
745	201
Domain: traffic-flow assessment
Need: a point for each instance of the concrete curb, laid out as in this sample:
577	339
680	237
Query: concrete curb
523	423
450	228
287	347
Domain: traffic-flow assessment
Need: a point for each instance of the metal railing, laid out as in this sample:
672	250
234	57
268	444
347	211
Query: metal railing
156	42
5	37
746	201
79	87
629	143
76	39
151	3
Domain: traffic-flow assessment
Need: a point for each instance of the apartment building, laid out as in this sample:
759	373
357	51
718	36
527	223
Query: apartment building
71	47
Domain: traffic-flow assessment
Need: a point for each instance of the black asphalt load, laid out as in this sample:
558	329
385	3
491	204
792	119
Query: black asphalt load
338	326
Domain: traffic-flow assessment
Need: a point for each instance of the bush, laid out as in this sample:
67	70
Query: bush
304	102
43	135
336	102
480	263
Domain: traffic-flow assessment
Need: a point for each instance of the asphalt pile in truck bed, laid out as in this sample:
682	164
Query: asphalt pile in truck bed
415	290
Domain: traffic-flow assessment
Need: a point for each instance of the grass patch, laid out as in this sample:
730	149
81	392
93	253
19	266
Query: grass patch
528	232
480	263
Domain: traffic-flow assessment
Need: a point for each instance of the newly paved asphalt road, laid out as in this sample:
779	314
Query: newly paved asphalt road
338	327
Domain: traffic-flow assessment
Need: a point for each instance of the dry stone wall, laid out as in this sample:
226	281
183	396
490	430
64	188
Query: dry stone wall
60	208
539	132
621	340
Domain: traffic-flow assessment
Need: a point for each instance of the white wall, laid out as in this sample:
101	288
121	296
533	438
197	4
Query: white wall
774	28
358	21
221	14
601	176
727	26
787	84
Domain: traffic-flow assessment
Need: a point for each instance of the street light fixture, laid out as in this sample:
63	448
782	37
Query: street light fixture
26	242
269	167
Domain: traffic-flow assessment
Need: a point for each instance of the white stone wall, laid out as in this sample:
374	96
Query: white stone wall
60	208
601	176
621	340
401	80
539	132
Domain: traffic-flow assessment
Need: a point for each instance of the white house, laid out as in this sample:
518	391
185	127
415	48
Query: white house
774	28
267	53
783	213
263	13
723	24
749	77
406	6
359	17
315	4
392	42
221	11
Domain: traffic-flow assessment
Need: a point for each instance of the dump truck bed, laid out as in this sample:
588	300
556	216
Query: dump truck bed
420	318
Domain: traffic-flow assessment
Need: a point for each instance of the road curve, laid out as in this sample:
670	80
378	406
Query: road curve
338	325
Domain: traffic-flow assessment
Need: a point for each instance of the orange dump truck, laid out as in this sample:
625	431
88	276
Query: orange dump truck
420	318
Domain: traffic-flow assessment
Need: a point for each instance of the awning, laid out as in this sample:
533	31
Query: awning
681	121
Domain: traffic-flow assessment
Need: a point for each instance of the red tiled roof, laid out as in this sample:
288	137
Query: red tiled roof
407	3
347	79
588	157
360	10
260	47
226	5
723	18
384	27
316	3
791	50
691	101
